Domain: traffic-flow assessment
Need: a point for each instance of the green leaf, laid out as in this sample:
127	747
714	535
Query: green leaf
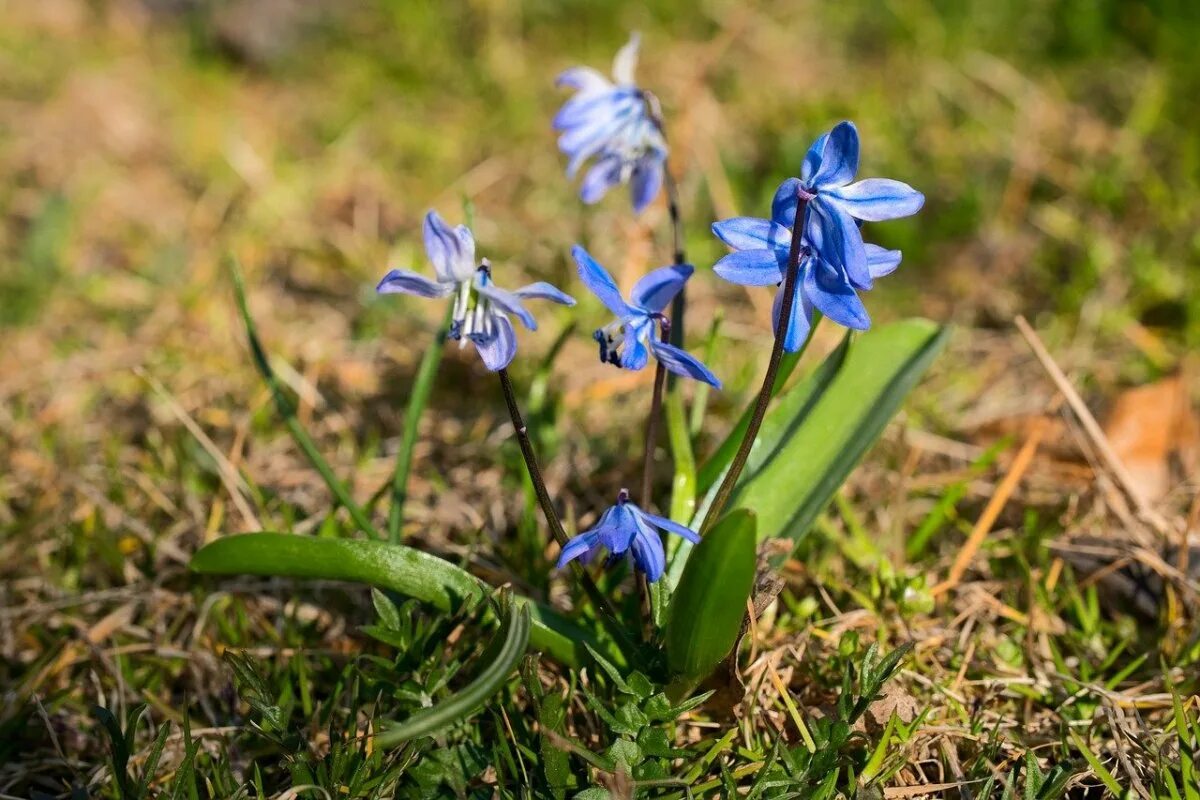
823	426
707	606
388	566
502	657
418	398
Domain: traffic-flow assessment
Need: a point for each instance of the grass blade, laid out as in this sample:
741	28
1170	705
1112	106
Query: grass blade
503	654
288	411
418	398
402	569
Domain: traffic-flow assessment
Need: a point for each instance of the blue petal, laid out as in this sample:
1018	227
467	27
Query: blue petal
829	291
835	235
812	159
878	199
646	181
584	79
800	318
783	206
659	286
617	528
634	354
604	174
545	291
601	284
625	62
450	250
752	233
881	262
648	553
577	546
751	267
683	363
839	158
668	525
497	350
591	108
507	301
402	281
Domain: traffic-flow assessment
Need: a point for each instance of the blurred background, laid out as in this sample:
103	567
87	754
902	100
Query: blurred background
1057	141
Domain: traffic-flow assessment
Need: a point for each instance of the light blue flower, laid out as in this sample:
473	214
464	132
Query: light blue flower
625	527
611	121
630	339
481	308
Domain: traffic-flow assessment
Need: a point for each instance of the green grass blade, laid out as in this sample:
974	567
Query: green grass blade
402	569
288	411
418	398
1098	768
707	607
821	428
502	658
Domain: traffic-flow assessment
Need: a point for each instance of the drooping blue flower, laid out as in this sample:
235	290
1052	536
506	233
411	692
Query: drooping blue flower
611	121
481	308
630	339
834	262
625	527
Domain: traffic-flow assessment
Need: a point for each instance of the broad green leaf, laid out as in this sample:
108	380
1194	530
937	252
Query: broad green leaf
500	658
707	606
388	566
822	427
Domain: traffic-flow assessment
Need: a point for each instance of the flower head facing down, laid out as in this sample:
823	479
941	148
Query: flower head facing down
627	528
629	341
481	308
834	262
611	121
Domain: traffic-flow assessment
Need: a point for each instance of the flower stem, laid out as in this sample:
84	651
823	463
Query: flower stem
679	303
660	378
764	395
608	614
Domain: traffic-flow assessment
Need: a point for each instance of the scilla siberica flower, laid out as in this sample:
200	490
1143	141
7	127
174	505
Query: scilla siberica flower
612	121
629	341
835	263
481	308
625	527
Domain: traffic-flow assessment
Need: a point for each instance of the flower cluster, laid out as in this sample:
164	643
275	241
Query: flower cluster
612	121
834	262
814	229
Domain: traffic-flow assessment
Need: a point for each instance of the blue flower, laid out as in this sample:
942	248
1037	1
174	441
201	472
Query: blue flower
625	527
628	341
835	263
611	121
481	308
840	206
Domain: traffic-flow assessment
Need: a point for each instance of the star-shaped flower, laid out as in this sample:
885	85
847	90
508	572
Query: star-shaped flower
625	527
481	308
611	120
629	340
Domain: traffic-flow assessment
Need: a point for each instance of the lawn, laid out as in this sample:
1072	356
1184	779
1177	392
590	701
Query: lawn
1001	599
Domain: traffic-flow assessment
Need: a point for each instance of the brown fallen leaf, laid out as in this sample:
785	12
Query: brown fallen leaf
1151	428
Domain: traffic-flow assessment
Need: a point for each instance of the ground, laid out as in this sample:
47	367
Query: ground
143	143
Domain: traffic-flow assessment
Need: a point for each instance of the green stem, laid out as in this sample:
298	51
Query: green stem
288	411
764	395
660	377
608	615
417	400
